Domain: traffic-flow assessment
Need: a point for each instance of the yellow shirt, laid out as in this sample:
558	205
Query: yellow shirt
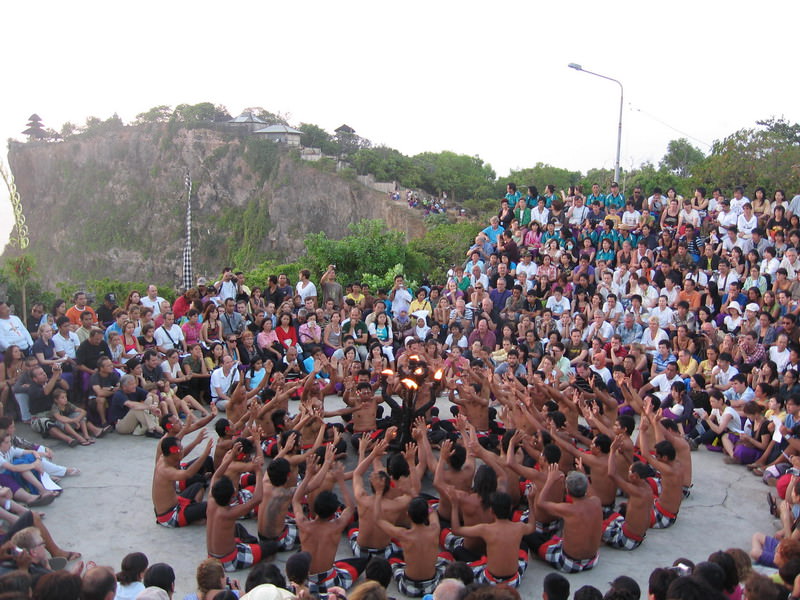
687	370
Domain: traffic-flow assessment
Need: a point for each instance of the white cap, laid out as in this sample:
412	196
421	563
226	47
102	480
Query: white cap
735	305
752	306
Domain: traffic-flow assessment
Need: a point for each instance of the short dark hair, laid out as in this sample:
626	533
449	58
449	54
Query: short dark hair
160	575
556	586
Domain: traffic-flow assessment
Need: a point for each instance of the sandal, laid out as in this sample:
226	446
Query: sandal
759	471
43	499
86	443
773	506
72	443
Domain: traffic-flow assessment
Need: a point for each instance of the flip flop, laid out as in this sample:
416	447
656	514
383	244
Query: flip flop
72	443
73	471
70	556
759	471
86	443
773	506
43	499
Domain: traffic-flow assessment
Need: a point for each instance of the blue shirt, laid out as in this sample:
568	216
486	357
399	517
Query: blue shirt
493	233
513	198
591	199
613	201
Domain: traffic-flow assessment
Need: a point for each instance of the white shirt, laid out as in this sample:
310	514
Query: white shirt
154	304
310	291
664	316
631	219
163	340
540	216
649	340
737	205
724	377
726	220
558	306
579	214
530	269
768	267
664	384
227	289
14	333
781	359
745	226
604	373
222	381
66	345
402	301
691	216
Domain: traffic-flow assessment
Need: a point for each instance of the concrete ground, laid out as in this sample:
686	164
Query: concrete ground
106	512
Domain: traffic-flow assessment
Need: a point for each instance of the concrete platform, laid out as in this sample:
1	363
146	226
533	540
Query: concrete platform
106	513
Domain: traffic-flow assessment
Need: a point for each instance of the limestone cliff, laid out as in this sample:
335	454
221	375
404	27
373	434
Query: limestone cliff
113	204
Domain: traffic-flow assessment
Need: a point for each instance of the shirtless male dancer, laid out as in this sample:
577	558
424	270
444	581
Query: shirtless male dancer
173	510
506	555
667	505
628	532
320	538
583	525
225	539
419	566
366	538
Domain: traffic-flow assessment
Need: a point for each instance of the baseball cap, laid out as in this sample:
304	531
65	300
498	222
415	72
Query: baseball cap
111	297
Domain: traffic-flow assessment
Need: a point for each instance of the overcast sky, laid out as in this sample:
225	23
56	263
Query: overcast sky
486	78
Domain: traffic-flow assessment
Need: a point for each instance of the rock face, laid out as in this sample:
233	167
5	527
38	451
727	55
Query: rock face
113	204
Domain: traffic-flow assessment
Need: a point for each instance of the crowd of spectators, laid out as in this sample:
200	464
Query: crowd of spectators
624	332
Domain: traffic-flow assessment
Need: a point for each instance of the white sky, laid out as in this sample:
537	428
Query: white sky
472	77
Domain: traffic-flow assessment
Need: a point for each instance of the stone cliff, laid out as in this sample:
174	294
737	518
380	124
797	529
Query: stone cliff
113	204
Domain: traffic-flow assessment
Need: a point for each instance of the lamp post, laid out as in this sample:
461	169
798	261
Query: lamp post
577	67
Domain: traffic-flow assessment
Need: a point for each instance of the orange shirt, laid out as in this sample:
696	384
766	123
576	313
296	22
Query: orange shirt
692	298
74	315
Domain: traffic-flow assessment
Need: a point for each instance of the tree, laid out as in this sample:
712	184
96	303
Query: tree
387	164
203	112
269	117
767	156
19	270
35	130
681	158
370	248
459	175
539	175
315	136
157	114
68	130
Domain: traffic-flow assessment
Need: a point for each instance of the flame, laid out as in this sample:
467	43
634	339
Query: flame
387	372
413	357
418	371
438	375
409	383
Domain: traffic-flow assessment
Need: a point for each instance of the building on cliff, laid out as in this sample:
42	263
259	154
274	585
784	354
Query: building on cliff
246	121
282	134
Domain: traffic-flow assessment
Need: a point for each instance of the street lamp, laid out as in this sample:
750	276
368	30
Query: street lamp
577	67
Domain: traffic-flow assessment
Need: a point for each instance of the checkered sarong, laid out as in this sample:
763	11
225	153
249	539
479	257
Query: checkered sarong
663	518
552	552
614	534
243	557
483	575
412	587
364	552
288	540
549	528
340	574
